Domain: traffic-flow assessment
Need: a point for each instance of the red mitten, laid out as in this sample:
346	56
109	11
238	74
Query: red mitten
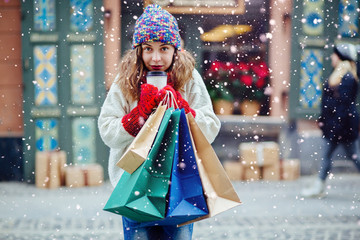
147	101
182	103
133	122
160	96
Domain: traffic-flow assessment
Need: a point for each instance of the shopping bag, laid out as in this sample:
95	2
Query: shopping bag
139	148
219	192
141	196
186	198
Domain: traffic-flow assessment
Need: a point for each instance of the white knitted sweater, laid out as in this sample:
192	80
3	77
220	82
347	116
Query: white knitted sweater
116	106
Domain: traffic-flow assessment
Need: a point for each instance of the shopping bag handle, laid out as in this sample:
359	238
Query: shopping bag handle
169	100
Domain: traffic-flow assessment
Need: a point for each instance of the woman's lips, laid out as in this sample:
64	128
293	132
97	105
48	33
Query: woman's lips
156	67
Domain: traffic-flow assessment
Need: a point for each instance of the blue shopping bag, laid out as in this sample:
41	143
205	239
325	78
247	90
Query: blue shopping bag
186	197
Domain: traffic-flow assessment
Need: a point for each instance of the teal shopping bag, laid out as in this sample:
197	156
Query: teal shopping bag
141	196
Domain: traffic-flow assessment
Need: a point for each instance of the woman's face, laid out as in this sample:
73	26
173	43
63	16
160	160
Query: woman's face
334	60
157	56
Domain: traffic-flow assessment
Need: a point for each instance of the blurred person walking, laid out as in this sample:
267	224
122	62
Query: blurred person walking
339	119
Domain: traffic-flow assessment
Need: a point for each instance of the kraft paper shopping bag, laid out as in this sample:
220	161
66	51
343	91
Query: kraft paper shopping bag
138	150
219	192
141	196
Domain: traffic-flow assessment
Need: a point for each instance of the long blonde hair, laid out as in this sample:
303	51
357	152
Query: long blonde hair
132	71
340	70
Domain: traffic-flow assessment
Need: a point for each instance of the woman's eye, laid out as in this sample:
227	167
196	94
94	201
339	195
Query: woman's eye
164	48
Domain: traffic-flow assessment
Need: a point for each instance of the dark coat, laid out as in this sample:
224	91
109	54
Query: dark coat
339	118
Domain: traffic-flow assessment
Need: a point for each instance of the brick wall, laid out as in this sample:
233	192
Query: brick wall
11	87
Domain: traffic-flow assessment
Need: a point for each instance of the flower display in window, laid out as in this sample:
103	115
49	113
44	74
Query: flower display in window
217	80
241	81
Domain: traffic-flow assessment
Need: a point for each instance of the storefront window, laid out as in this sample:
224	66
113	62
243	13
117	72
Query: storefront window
235	66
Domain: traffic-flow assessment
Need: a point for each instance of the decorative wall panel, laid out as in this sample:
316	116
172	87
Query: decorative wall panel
84	132
81	16
45	75
46	134
44	15
310	78
313	21
348	18
82	74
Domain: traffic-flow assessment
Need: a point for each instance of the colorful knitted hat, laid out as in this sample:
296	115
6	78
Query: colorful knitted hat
346	51
156	24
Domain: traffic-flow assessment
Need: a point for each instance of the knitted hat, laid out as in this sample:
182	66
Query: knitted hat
346	51
156	24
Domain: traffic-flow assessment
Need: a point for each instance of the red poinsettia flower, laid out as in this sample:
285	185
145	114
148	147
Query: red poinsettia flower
260	83
260	69
215	66
244	67
246	79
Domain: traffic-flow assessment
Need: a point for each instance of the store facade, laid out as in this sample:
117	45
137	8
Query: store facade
246	50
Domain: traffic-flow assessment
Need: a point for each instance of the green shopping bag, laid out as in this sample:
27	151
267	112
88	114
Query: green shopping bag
141	196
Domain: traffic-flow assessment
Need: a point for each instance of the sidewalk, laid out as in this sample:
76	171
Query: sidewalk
270	210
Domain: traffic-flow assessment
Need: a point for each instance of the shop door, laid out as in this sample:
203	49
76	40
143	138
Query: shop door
63	80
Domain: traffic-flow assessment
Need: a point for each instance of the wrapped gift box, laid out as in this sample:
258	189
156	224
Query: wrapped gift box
290	169
234	170
252	173
94	175
259	153
74	176
271	172
260	160
49	169
84	175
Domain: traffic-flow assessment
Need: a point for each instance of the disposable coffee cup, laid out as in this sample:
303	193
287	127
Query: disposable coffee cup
157	78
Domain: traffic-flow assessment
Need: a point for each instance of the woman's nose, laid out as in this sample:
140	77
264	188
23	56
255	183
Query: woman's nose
156	57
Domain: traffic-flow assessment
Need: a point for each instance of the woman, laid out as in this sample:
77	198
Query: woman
339	119
130	101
